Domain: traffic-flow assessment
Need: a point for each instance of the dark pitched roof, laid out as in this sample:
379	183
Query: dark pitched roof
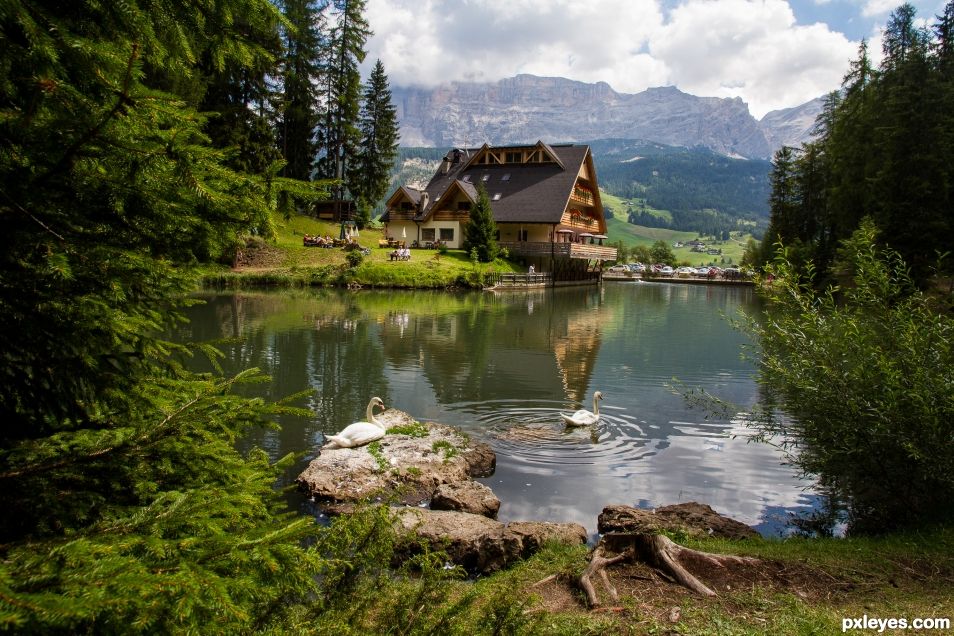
532	193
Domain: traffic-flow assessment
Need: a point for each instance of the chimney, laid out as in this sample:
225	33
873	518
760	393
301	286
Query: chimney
445	166
425	199
456	155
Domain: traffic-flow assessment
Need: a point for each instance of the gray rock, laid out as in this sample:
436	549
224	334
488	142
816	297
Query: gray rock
526	108
478	544
466	496
406	468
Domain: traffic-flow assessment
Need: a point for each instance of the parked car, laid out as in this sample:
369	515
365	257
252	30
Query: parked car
618	269
667	271
637	267
685	272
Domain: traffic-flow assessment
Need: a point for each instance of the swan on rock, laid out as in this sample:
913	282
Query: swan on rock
584	417
359	433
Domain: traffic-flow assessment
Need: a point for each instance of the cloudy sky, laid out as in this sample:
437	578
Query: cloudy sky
771	53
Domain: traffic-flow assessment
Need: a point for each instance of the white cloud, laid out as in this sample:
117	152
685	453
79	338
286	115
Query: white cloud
879	7
752	49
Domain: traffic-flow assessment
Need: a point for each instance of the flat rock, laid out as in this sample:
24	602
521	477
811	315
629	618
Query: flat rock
694	519
478	544
408	468
466	496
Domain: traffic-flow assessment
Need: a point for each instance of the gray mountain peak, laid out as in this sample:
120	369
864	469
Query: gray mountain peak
526	108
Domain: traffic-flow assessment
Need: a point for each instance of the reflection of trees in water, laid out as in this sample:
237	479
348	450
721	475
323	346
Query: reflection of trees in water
320	342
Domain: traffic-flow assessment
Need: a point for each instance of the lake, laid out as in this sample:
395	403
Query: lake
503	366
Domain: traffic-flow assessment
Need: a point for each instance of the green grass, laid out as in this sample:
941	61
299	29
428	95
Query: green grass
621	208
284	261
905	576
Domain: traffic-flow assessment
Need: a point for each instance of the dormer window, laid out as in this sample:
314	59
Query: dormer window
466	178
497	196
506	177
485	177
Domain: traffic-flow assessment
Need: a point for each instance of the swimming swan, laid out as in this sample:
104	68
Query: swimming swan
584	417
359	433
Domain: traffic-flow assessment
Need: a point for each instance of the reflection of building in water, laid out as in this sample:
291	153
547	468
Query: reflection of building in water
495	348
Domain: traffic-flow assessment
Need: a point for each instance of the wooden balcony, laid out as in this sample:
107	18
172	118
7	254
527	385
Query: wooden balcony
561	250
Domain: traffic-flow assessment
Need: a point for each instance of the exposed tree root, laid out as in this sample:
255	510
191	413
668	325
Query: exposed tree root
656	551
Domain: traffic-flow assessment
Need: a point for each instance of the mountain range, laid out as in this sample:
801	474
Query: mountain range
526	108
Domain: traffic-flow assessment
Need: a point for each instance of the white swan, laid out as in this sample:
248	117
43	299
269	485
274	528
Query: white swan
359	433
584	417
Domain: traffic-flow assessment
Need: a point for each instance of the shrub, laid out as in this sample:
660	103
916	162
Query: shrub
865	373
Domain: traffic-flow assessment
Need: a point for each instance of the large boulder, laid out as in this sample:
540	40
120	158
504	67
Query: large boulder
693	519
408	467
466	496
478	544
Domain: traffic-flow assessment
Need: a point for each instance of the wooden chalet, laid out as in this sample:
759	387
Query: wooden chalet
545	201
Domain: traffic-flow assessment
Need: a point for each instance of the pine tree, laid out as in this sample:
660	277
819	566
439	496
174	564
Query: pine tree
370	174
782	202
126	504
301	74
480	233
338	132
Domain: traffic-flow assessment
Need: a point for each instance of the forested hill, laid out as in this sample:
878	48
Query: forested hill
683	179
694	184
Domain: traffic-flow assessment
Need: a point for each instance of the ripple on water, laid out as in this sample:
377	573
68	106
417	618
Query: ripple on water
537	437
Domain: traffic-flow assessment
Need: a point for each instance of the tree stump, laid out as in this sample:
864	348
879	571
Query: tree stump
655	550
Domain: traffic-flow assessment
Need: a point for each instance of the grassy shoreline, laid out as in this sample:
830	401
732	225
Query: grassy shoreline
800	586
286	262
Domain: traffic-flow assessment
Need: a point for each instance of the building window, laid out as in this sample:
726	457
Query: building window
514	157
522	235
427	234
463	206
405	205
447	234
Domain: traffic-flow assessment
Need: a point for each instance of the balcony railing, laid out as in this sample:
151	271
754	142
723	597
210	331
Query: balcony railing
561	250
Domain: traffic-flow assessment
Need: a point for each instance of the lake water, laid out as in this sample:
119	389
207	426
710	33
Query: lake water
503	366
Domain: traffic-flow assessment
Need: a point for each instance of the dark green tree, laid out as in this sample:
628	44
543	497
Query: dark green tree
370	173
661	252
480	233
339	135
298	114
882	149
126	504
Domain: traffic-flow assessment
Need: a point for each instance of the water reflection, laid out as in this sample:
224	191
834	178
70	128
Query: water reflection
502	367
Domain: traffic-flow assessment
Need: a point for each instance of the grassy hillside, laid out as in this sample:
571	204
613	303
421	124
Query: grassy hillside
285	261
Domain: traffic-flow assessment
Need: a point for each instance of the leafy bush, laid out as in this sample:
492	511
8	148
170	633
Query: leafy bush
865	373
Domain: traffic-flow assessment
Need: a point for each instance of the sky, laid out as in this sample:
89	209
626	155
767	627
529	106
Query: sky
771	53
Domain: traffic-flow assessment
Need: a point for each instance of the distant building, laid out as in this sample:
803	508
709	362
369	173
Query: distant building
545	201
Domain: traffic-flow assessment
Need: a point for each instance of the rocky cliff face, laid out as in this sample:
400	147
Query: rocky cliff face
527	108
791	126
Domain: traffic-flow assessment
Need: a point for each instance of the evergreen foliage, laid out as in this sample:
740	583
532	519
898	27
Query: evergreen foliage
338	133
371	169
300	73
883	149
126	505
480	233
864	371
